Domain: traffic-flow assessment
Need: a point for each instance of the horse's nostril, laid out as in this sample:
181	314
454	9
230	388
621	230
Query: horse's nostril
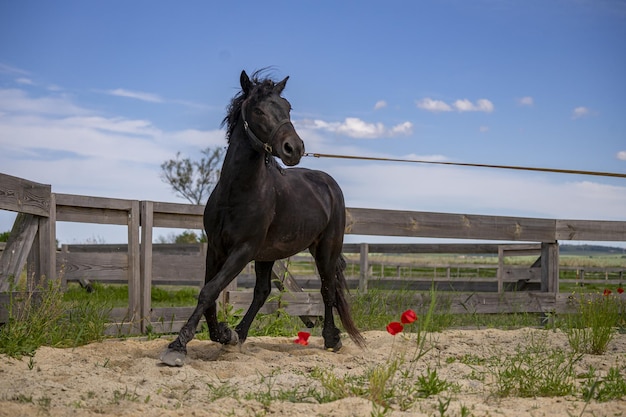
287	148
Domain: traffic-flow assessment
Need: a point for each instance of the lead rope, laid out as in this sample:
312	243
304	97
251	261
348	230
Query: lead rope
519	168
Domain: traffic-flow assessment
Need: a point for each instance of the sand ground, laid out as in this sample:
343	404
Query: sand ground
125	377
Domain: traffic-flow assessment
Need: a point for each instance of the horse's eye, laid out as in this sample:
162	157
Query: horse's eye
258	112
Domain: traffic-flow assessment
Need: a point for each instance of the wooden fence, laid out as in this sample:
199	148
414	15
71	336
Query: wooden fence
144	264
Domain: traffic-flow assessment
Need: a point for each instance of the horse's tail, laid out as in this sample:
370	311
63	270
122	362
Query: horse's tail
343	308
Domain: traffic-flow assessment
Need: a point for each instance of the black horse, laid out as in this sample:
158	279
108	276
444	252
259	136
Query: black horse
260	211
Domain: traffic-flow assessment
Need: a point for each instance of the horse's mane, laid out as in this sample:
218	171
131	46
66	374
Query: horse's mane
262	86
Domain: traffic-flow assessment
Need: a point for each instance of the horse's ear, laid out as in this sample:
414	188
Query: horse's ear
244	80
281	85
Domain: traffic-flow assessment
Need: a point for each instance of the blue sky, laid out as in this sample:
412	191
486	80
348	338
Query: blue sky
94	96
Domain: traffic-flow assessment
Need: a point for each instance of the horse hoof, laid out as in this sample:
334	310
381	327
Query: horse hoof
172	357
335	348
234	339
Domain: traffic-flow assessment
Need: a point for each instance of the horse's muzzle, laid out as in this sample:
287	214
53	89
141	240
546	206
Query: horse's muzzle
291	150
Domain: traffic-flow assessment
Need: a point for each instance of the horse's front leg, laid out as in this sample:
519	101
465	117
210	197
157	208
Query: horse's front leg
262	289
176	351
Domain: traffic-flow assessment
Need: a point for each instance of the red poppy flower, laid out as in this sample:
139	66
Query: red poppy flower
394	328
620	290
607	292
303	338
408	316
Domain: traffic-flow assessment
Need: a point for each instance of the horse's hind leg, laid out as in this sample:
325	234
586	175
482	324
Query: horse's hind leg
326	261
262	289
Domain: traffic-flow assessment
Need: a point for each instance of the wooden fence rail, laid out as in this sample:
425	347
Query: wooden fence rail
144	264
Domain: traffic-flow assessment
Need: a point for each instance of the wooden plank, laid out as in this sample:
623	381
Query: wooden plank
519	273
170	319
84	201
284	280
178	270
178	208
472	303
295	304
23	196
181	221
442	225
595	230
107	267
99	210
186	216
281	274
91	215
494	303
521	250
20	242
417	248
448	286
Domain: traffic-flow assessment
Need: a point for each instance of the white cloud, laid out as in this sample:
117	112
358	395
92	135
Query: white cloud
356	128
483	129
483	105
405	128
53	141
24	81
17	101
465	105
430	158
380	105
433	105
579	112
621	155
526	101
8	69
137	95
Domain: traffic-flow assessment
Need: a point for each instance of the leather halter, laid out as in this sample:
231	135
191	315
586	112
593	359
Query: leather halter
257	143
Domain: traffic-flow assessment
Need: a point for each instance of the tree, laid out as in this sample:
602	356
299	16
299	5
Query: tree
194	180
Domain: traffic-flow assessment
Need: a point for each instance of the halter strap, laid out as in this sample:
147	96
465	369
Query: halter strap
256	142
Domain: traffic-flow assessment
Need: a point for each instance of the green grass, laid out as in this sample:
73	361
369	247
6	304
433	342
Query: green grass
535	370
607	388
592	326
45	317
116	295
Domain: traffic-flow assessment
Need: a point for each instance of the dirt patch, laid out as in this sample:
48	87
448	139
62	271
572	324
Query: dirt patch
125	378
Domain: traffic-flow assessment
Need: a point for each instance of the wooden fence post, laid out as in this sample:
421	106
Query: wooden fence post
365	267
145	264
550	267
500	272
134	278
41	263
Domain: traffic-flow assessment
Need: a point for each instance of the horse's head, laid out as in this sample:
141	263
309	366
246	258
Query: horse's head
266	120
